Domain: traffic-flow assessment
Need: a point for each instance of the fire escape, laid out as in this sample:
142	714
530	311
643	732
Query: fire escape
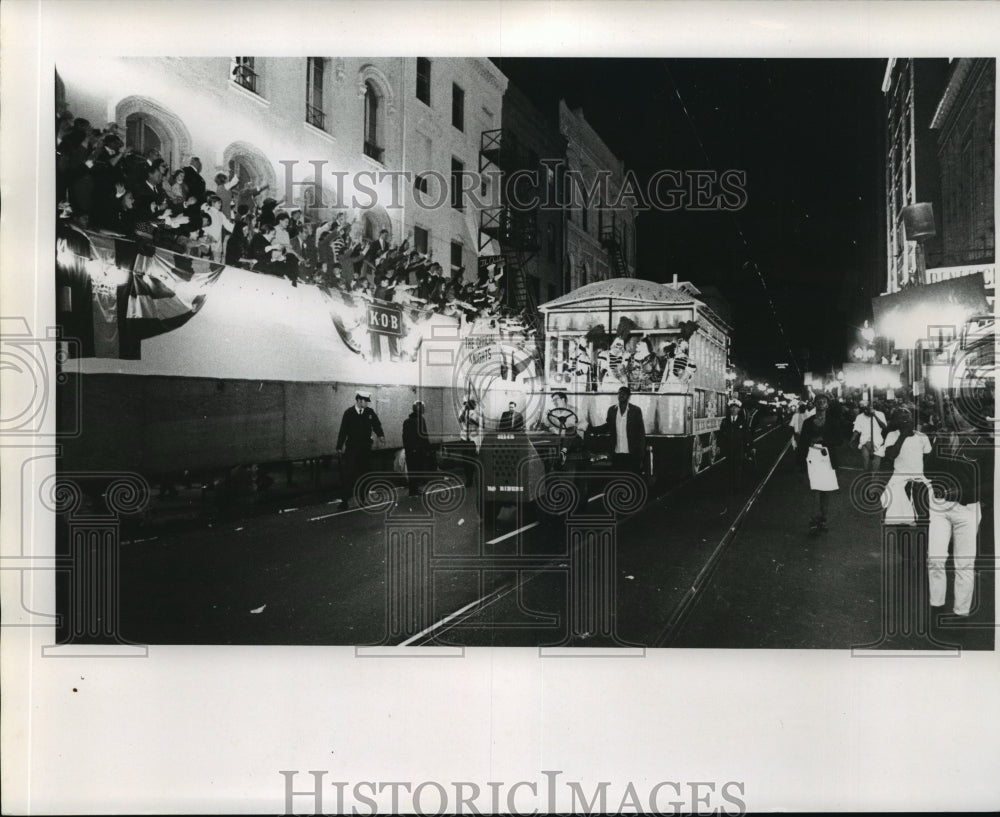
611	240
515	230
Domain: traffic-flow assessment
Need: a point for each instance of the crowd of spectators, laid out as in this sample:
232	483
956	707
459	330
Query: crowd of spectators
103	185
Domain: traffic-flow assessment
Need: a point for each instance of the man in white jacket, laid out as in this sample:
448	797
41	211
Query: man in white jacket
869	436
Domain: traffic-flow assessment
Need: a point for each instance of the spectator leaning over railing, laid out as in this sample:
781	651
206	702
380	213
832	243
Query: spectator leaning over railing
237	247
194	181
224	190
217	221
174	189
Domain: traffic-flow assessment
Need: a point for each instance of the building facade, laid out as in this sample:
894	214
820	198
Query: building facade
592	227
964	122
912	89
327	133
532	147
940	151
448	103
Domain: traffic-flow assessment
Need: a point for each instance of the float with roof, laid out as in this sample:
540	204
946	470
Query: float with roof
662	341
665	343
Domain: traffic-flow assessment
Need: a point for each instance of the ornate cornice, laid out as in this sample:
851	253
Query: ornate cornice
489	72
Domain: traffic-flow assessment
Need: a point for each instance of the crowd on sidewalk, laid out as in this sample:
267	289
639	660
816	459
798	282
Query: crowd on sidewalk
924	475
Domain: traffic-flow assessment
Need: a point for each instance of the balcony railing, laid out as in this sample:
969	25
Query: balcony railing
315	116
373	151
245	77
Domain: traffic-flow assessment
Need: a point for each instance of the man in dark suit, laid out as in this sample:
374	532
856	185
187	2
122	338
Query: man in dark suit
417	444
735	441
628	433
512	419
378	248
354	443
194	181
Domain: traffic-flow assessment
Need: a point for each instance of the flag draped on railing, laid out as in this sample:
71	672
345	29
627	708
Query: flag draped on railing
115	293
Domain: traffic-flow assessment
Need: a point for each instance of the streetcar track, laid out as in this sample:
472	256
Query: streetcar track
682	610
360	508
504	590
500	592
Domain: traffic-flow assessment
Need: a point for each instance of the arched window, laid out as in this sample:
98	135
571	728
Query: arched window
148	124
255	174
584	273
141	135
373	147
247	171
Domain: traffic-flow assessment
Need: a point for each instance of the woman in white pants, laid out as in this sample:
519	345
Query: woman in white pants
955	514
906	447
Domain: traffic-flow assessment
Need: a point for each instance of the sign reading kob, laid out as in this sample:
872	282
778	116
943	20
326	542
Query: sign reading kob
385	319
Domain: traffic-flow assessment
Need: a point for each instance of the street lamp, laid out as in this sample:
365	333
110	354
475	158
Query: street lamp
749	384
867	333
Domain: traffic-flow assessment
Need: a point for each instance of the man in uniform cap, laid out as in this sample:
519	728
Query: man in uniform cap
735	442
354	443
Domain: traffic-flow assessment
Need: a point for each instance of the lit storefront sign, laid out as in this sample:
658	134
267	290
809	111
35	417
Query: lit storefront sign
872	375
920	312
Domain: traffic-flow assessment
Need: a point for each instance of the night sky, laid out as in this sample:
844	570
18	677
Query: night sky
808	133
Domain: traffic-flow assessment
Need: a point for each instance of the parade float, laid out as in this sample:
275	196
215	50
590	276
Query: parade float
174	364
663	342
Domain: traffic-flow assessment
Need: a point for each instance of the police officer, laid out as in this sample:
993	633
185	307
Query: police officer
735	441
354	443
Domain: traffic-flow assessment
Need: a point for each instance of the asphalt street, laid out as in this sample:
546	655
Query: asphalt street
690	568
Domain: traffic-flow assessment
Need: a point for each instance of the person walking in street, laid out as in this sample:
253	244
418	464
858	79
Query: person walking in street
802	413
354	443
958	488
817	454
417	445
869	436
906	448
628	433
735	444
